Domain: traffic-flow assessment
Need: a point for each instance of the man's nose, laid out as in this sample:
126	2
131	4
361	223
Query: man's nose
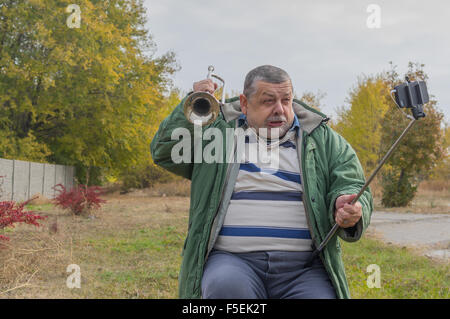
278	108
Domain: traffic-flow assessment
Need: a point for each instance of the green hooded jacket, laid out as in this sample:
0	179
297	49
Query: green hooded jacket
329	168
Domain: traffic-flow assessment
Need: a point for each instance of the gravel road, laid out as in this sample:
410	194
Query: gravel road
430	233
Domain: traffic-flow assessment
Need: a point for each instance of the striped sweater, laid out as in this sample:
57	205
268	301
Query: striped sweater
266	211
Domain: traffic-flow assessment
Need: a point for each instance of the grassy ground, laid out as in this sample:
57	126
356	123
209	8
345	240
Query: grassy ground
131	249
403	274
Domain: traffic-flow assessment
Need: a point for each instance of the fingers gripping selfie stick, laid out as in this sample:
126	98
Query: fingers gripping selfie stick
410	95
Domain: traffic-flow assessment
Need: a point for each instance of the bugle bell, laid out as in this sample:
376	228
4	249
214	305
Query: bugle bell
202	107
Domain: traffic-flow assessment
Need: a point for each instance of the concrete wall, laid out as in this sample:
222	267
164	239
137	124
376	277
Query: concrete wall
21	180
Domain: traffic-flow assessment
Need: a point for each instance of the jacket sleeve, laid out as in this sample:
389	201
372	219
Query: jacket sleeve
162	143
346	177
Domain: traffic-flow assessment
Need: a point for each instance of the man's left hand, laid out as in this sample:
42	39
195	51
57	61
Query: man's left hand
347	215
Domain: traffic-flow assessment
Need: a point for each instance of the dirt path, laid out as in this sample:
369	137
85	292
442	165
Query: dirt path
428	233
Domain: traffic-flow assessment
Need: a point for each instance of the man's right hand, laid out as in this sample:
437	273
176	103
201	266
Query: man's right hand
206	85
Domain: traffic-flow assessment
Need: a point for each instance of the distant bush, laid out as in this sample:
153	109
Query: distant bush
81	199
399	189
145	176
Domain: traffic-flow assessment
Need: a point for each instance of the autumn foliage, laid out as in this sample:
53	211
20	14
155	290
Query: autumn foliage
80	199
12	213
90	97
372	122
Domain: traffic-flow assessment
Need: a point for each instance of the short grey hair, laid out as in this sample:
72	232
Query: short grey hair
266	73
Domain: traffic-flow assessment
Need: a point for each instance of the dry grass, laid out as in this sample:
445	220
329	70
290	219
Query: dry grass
39	199
176	188
436	186
122	251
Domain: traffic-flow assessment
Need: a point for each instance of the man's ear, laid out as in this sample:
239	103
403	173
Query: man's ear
244	103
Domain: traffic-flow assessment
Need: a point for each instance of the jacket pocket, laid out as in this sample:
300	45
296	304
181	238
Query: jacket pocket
310	165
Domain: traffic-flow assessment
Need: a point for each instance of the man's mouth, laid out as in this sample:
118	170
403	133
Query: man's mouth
275	123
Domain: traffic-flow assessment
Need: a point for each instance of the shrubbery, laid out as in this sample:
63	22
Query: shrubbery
80	199
12	213
399	189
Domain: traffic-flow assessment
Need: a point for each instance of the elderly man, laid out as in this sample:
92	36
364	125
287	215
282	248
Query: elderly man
252	229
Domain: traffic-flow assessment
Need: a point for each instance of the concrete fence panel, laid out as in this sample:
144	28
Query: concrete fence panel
6	182
36	179
49	180
22	180
70	176
60	175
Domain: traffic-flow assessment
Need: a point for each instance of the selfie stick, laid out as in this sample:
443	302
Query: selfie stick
417	114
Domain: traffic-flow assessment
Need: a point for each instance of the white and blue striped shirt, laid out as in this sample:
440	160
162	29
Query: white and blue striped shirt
266	210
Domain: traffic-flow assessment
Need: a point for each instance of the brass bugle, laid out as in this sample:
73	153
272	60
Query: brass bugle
202	107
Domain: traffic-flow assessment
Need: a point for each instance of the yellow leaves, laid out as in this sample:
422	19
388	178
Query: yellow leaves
93	96
360	124
27	148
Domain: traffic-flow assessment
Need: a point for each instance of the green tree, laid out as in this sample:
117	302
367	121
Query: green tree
26	148
418	152
361	122
89	96
145	173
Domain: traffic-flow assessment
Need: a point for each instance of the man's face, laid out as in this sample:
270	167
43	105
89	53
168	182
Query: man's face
269	107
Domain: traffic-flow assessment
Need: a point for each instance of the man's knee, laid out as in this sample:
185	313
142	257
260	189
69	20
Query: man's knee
315	289
225	283
226	278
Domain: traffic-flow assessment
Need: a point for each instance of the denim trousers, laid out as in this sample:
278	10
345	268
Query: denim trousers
264	275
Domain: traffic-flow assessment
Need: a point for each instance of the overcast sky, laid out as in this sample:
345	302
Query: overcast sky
323	45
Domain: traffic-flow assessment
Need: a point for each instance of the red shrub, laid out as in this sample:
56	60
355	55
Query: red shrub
80	199
12	213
